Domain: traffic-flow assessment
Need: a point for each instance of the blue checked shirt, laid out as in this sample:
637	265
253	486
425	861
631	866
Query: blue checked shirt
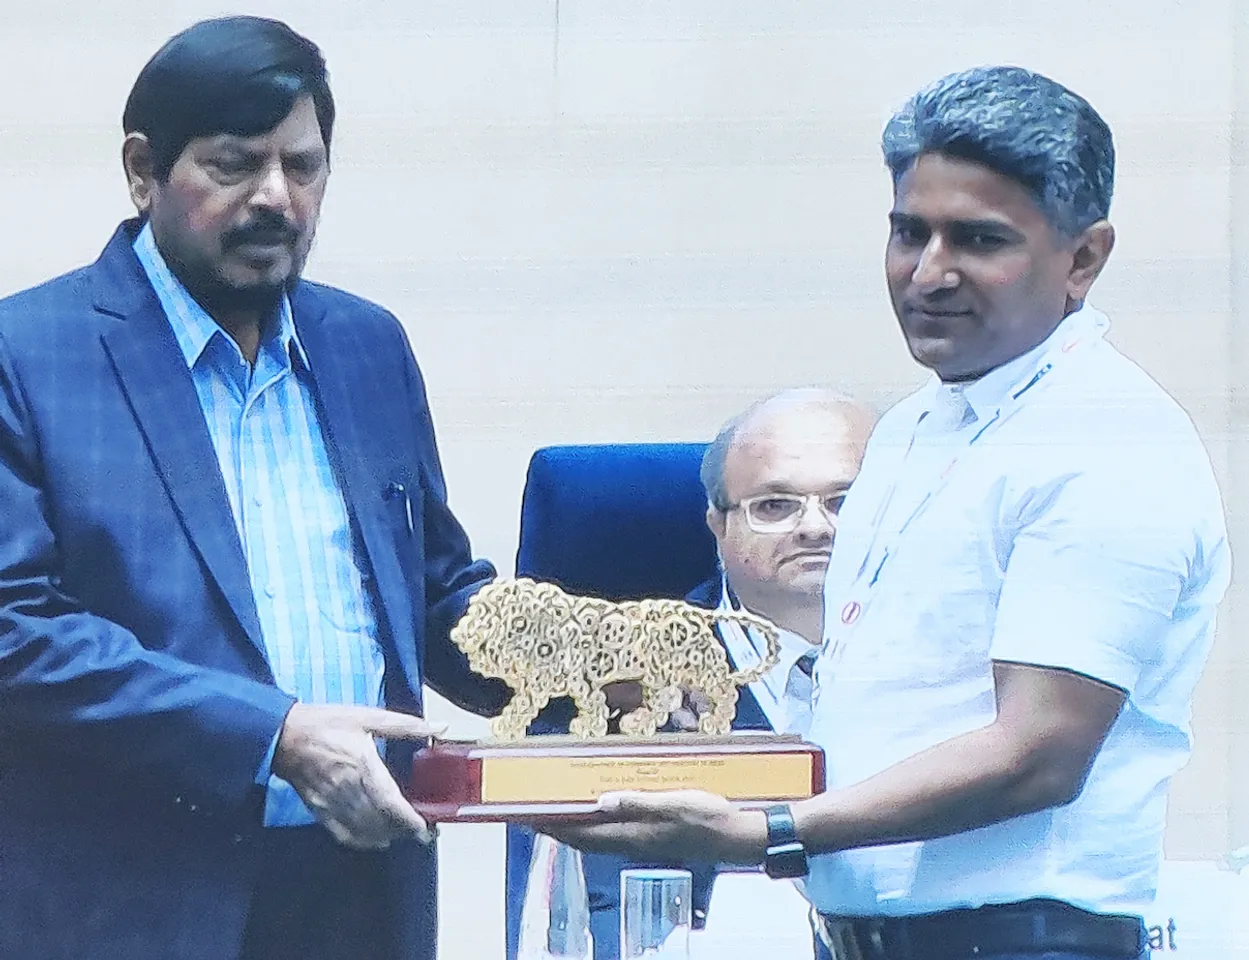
319	628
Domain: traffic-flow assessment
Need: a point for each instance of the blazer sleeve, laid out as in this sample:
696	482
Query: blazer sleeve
73	684
452	576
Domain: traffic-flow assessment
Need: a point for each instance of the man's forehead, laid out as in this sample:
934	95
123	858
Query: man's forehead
299	130
303	141
817	447
938	187
788	423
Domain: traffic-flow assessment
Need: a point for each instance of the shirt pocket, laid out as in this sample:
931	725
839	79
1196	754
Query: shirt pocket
932	619
343	600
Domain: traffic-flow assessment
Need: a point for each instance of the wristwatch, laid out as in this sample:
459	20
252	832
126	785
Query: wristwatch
786	857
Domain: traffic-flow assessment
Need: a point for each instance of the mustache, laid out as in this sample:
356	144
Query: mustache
938	300
262	228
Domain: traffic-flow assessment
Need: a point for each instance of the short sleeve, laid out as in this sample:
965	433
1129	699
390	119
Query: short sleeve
1094	576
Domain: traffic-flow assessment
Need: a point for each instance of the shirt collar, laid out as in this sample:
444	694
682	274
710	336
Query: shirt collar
193	328
987	394
793	647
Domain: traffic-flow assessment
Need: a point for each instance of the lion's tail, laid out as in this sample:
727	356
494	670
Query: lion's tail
750	674
770	632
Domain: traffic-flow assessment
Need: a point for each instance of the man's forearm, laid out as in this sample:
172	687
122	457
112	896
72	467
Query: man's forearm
970	781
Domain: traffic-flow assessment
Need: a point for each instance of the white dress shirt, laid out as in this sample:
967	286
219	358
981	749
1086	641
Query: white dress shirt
1060	512
784	692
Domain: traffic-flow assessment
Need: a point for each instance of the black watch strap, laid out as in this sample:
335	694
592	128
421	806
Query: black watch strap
786	857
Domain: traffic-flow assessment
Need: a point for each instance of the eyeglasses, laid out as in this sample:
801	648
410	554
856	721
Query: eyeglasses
783	512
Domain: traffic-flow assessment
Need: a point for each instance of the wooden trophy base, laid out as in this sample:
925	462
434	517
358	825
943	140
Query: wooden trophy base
484	781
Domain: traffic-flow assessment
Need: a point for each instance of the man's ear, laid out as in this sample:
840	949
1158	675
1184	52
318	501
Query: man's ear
716	521
136	158
1092	250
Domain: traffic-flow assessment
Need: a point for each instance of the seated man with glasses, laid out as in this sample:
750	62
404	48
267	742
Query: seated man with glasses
775	476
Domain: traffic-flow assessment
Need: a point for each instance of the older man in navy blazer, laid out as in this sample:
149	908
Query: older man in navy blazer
227	564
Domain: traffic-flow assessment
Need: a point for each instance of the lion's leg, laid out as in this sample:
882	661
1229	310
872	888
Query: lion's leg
666	700
515	718
642	722
719	719
591	718
660	697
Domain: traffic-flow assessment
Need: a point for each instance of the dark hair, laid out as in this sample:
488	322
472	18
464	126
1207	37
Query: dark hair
238	75
711	471
1020	124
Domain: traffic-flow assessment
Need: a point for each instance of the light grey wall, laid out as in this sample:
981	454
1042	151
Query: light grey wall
625	219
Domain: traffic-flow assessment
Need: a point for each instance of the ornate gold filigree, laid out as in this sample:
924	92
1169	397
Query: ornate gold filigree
545	643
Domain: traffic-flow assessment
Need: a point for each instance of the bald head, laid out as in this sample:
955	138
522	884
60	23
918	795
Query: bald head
775	477
796	420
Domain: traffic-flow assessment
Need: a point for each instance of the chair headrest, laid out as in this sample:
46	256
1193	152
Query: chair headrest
620	521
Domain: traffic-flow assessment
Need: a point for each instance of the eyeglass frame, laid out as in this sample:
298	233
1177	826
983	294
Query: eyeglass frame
785	526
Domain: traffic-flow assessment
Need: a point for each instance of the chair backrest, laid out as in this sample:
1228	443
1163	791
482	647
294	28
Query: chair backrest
618	521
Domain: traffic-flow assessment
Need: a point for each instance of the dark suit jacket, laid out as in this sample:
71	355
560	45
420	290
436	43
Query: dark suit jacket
136	703
602	871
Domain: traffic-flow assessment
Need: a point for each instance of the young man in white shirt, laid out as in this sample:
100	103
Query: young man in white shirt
1023	591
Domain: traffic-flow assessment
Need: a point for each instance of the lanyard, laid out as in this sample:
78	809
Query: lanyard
1082	332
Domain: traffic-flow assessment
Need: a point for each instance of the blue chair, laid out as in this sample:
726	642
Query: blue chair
618	521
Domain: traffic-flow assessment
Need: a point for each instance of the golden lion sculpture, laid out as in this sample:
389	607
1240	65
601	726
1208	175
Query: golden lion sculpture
545	643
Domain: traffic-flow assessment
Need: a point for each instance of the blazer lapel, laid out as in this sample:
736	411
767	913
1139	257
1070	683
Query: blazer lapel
344	410
750	715
153	373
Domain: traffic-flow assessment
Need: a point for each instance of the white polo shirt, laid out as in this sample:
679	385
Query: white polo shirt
1061	512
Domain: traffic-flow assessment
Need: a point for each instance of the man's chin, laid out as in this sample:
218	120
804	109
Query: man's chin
946	360
271	276
806	577
935	354
255	294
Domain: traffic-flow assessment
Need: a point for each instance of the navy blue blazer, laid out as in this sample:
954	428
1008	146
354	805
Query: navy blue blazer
136	703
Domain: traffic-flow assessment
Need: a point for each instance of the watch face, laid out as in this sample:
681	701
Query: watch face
786	858
786	862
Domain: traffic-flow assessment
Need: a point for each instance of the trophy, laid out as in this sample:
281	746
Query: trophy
545	643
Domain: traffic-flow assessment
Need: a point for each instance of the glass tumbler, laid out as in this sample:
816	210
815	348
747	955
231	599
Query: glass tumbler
655	914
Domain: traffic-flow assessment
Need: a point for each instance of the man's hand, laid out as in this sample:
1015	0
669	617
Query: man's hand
673	826
328	754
